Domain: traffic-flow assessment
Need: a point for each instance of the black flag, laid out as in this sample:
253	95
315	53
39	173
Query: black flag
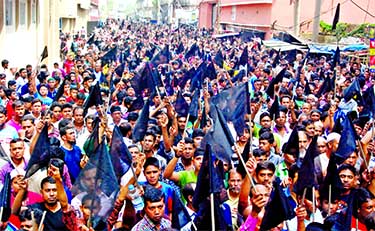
5	198
36	160
120	155
278	208
336	18
94	98
44	54
140	127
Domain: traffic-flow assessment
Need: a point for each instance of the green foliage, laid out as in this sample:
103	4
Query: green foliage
344	29
361	30
325	27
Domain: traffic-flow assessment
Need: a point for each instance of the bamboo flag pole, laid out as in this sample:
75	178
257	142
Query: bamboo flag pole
244	164
212	212
313	204
1	213
329	199
362	153
42	221
186	124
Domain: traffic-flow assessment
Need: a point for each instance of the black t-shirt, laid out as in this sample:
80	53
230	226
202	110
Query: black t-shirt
52	221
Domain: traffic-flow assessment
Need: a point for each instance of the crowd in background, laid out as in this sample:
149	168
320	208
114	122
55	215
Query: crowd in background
302	114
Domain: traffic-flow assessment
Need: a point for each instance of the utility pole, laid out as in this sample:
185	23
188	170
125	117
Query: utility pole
297	10
316	20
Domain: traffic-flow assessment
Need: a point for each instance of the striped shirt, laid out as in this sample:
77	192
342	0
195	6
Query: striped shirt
147	225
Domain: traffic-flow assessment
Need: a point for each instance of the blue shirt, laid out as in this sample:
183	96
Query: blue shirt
168	196
72	160
45	101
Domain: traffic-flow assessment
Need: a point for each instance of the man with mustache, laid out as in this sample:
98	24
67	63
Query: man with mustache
154	211
234	182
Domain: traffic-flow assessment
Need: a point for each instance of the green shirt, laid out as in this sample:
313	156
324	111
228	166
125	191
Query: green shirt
186	177
281	170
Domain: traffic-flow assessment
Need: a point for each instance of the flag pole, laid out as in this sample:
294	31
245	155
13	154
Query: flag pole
329	199
313	204
362	153
186	124
40	228
244	164
249	107
212	212
356	224
194	226
135	175
34	227
304	196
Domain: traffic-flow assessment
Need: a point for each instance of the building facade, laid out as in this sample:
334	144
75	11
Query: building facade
27	26
267	15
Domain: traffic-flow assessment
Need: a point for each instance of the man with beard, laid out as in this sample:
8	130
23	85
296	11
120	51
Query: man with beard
73	155
19	112
51	193
303	144
235	182
28	129
17	158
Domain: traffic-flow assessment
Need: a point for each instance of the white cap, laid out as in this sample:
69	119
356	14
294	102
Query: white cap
17	172
333	136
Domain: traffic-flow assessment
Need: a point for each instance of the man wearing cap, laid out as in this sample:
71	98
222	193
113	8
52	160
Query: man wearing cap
51	81
116	116
322	160
21	196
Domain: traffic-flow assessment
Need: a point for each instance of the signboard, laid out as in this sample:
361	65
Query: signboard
372	50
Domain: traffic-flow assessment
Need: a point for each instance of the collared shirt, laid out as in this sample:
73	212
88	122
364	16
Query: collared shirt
147	225
275	159
14	124
8	167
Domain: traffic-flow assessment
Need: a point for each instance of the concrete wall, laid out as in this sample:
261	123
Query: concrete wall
205	15
22	43
263	13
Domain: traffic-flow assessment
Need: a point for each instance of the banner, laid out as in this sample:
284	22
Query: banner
372	50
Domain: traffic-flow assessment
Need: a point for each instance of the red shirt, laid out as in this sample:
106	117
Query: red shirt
31	198
361	226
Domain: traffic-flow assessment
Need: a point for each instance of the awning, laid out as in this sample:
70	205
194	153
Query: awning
322	49
282	46
356	47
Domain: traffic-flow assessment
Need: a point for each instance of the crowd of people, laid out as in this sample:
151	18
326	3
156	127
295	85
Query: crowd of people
300	111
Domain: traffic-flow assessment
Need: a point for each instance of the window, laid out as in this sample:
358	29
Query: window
9	12
33	12
22	13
